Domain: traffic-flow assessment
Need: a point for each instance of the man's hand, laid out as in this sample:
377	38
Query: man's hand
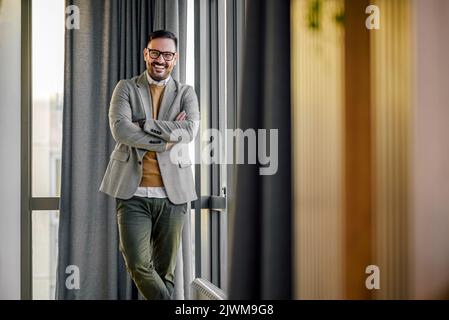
181	116
139	124
169	146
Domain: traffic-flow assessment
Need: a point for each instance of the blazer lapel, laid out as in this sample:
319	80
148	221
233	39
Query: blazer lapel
144	92
167	100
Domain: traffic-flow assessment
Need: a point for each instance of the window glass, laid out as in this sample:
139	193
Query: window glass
45	250
48	84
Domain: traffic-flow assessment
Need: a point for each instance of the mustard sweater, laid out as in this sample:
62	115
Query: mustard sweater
151	173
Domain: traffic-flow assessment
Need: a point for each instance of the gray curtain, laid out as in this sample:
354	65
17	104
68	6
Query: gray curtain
107	47
261	243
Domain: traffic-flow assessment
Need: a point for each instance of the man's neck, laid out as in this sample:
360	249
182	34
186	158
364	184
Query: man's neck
157	82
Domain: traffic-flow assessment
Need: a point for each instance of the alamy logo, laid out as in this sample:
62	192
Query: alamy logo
229	147
373	21
373	280
72	282
73	20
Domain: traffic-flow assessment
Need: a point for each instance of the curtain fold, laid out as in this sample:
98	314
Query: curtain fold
261	243
107	47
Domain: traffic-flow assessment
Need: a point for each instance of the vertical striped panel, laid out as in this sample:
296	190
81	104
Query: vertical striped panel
358	198
391	94
317	96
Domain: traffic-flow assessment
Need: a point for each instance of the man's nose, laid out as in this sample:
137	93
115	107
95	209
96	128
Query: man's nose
160	59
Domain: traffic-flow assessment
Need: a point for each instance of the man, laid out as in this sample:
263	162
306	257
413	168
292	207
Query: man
148	116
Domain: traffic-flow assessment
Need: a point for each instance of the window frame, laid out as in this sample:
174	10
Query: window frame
218	57
25	203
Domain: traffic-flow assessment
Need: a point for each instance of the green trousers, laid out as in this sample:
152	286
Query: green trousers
150	233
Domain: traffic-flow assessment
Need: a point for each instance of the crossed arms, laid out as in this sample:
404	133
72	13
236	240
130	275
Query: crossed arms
153	135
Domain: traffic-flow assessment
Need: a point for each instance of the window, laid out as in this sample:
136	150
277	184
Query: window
218	49
47	92
190	80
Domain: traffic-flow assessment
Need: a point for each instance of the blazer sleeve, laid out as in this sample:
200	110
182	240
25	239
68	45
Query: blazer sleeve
122	128
178	131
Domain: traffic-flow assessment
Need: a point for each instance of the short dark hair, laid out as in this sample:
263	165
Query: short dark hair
162	34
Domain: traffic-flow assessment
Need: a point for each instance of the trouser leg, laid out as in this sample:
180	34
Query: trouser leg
135	224
167	233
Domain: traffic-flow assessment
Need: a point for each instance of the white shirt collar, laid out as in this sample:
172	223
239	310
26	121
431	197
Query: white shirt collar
158	83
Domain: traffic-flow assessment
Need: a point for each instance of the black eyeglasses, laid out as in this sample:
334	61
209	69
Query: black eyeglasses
154	54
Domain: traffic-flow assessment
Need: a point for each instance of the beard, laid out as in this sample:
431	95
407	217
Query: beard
159	71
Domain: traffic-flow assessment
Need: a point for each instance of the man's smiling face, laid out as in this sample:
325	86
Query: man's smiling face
160	57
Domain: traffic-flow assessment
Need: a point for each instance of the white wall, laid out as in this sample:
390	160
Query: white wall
10	30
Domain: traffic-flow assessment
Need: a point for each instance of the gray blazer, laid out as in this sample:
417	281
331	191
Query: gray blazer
124	171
